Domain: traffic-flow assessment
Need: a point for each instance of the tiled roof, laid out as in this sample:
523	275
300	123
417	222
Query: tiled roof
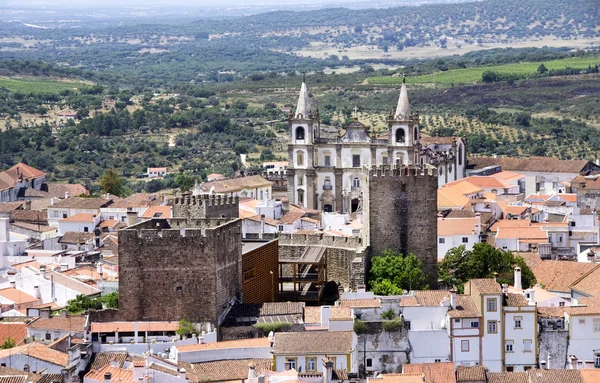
457	226
530	164
559	275
470	374
551	312
76	237
508	175
312	314
7	207
242	343
397	378
102	359
430	140
522	233
225	370
554	376
489	182
515	300
507	377
590	375
58	190
267	309
15	331
10	177
68	323
486	286
463	187
136	200
50	378
230	185
72	283
361	303
29	216
33	227
13	379
465	308
531	259
319	343
34	378
33	193
38	351
130	326
118	375
108	223
165	370
431	297
450	198
81	217
82	203
158	211
17	296
434	372
291	216
591	307
589	283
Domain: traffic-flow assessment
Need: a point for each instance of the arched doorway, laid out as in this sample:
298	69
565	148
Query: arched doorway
327	208
354	205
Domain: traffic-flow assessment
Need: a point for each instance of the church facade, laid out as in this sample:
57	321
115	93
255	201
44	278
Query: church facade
328	171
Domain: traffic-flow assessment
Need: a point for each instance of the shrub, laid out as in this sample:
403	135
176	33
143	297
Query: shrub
389	315
266	328
392	325
359	326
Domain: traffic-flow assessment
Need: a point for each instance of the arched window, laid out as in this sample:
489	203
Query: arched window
300	158
327	184
460	154
356	182
415	135
299	133
400	135
300	196
328	208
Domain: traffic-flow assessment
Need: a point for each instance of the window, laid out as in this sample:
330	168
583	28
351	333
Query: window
573	223
55	213
442	240
415	135
48	336
597	360
300	196
465	239
334	360
518	322
300	158
464	345
369	362
400	135
555	185
559	238
526	368
510	368
311	364
356	183
527	345
178	289
456	320
561	304
292	362
407	325
300	180
596	325
475	324
280	227
492	327
491	304
460	154
581	321
508	347
356	160
64	215
437	360
249	274
327	184
328	161
384	159
299	133
85	229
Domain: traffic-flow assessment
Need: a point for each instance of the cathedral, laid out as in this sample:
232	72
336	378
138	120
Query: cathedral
327	170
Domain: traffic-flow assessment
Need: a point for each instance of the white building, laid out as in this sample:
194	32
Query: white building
14	181
454	232
81	222
277	168
72	206
255	187
157	172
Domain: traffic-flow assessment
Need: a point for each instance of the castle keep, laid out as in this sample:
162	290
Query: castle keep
187	268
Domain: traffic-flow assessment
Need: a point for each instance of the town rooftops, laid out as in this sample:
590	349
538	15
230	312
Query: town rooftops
560	275
457	226
487	182
117	375
82	203
80	217
515	300
397	378
224	370
17	296
531	164
554	376
108	327
318	342
508	176
486	286
464	187
38	351
16	331
75	323
431	297
465	308
76	237
59	190
229	344
448	198
589	283
470	374
312	314
361	303
104	358
10	177
434	372
158	212
430	140
230	185
135	200
507	377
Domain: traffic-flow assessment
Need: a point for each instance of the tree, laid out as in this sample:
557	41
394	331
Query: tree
184	182
542	69
484	261
490	76
111	301
186	329
112	183
82	303
391	273
8	343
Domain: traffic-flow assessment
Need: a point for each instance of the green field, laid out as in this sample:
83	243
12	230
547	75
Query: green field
468	75
39	85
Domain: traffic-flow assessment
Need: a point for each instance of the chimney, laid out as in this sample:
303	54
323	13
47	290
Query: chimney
107	377
4	230
453	299
518	285
572	362
182	373
361	289
261	379
327	370
52	201
99	268
132	218
325	315
43	271
531	297
67	195
13	283
262	226
504	288
37	292
548	363
287	366
28	205
26	368
251	371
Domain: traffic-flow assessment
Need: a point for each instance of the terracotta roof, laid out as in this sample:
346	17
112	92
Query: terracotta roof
29	216
568	197
591	307
522	233
58	190
68	323
559	275
102	359
38	351
361	303
7	207
312	314
291	216
319	343
17	296
515	300
551	312
486	286
590	375
230	185
434	372
225	370
508	175
507	377
530	164
431	297
118	375
34	378
109	223
71	283
173	371
13	330
450	198
81	217
408	302
589	283
470	374
136	200
33	227
489	182
456	226
554	376
397	378
33	193
76	237
463	187
129	326
465	308
158	212
229	344
430	140
10	177
150	170
82	203
531	259
513	210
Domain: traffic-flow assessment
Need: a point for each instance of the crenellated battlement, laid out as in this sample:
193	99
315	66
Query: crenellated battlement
402	171
320	240
206	206
207	200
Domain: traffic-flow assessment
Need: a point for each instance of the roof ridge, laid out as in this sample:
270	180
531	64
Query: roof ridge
584	276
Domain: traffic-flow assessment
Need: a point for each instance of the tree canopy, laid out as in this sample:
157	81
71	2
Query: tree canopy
484	261
391	273
112	183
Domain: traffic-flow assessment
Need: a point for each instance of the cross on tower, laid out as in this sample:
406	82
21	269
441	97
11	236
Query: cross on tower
355	111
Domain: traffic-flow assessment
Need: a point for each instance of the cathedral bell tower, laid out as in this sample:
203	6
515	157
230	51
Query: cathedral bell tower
403	132
303	131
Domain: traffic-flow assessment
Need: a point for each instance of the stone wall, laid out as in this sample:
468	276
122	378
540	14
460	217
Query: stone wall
403	214
388	351
556	343
172	274
206	206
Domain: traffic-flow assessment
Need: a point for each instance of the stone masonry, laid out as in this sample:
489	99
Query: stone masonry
402	205
188	268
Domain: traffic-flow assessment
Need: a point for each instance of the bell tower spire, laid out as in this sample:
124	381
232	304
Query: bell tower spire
403	108
303	107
